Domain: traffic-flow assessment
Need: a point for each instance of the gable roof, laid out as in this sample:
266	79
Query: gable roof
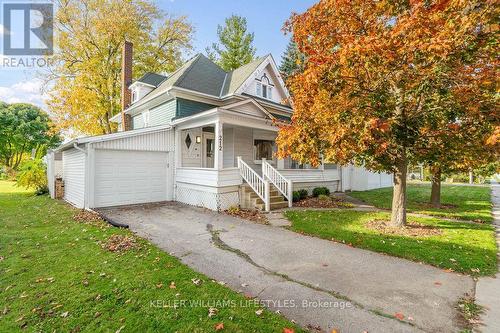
235	78
202	75
152	79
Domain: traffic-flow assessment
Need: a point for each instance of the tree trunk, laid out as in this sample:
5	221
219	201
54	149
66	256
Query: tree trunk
471	177
398	216
436	187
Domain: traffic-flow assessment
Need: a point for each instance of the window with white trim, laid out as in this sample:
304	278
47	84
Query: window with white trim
134	95
263	149
263	87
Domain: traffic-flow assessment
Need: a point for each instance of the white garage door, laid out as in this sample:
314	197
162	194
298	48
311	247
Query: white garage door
125	177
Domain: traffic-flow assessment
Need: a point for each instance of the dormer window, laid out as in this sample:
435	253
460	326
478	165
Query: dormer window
264	88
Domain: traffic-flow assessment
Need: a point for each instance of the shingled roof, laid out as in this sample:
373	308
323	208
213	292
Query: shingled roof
153	79
202	75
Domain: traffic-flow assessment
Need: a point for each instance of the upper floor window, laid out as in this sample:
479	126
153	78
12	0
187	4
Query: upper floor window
264	88
134	95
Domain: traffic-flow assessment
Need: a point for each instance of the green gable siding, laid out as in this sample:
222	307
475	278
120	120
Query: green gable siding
186	108
159	115
162	114
137	121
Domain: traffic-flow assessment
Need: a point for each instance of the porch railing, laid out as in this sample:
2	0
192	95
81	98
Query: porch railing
256	182
278	180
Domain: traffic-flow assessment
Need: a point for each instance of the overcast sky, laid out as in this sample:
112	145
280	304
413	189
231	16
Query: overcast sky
264	18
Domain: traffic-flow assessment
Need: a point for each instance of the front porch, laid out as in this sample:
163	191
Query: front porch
219	150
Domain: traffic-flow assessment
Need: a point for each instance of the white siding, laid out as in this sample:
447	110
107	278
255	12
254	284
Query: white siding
250	109
50	173
131	177
360	179
74	177
212	189
156	141
208	177
243	144
228	146
277	94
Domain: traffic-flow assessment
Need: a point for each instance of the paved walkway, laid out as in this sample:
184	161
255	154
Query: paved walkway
319	284
488	288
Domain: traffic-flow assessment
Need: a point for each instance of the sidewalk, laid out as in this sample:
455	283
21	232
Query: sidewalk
488	288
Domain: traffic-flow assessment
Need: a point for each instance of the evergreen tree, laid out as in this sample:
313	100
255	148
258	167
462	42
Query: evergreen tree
292	61
235	48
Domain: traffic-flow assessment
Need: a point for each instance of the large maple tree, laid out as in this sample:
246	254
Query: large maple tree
373	72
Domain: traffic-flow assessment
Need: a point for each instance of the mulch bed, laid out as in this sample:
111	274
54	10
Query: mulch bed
316	202
251	215
411	229
120	243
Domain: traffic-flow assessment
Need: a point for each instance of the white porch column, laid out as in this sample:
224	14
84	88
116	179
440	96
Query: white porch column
219	149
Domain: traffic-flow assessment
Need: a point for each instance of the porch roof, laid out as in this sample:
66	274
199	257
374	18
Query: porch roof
220	114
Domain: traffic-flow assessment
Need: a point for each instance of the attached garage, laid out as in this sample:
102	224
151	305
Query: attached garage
130	177
74	176
124	168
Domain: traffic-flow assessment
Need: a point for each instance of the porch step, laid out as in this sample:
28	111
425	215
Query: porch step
276	198
274	205
250	199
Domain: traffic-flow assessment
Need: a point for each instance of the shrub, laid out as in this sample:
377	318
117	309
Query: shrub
233	210
320	190
303	194
32	175
295	196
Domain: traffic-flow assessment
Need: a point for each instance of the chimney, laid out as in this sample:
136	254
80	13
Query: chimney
126	81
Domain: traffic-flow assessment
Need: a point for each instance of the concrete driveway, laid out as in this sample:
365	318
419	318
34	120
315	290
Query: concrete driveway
318	283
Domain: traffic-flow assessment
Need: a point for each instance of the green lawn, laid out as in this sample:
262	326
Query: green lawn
472	203
55	276
463	247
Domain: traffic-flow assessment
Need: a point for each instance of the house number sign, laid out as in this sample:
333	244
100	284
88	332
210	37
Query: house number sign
220	142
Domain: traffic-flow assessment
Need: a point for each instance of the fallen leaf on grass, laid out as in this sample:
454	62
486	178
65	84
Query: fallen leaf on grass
399	316
172	285
120	329
64	314
259	312
159	285
219	326
196	281
5	310
288	330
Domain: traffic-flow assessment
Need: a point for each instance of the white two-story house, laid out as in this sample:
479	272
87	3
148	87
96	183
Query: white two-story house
200	136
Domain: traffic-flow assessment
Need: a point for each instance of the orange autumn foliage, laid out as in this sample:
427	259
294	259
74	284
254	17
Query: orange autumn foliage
381	77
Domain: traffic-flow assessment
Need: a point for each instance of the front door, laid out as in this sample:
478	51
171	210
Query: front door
208	149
